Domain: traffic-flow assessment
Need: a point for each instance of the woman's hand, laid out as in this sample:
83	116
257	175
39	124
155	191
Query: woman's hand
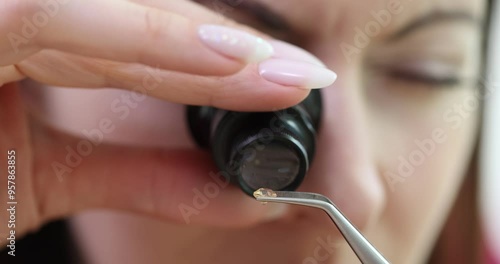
115	43
153	47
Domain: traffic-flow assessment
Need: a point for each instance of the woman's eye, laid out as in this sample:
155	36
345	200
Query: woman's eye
423	78
423	72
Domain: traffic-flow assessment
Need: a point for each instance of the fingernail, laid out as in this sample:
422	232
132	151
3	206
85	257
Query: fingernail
283	50
235	43
275	211
295	73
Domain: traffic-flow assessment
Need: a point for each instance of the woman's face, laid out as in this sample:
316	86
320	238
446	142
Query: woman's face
398	130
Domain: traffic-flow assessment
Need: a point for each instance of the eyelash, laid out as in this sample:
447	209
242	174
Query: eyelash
423	79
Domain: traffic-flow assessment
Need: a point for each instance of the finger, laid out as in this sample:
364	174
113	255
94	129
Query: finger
10	74
16	180
177	185
194	10
130	32
244	91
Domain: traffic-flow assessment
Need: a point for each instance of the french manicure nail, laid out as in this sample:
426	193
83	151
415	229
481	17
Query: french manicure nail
283	50
296	73
235	43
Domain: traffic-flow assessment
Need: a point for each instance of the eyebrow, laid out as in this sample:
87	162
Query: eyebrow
276	21
435	18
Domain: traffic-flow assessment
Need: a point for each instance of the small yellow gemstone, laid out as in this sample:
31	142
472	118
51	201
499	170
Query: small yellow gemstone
263	192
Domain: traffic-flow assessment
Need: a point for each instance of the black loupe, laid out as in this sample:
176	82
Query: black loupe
260	149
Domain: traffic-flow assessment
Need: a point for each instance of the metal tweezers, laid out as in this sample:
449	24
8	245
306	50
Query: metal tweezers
366	253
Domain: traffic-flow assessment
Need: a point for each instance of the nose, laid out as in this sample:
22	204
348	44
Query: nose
344	168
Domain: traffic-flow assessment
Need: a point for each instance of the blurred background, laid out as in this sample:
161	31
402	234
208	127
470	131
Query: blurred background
490	149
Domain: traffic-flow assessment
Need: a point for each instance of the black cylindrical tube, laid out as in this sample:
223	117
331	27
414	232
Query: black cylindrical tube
260	149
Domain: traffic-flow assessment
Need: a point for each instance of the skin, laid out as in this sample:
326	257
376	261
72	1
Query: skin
371	118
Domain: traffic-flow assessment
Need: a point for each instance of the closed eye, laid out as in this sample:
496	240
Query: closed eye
424	79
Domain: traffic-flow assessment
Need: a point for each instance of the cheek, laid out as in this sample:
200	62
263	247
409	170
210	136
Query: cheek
131	118
431	130
424	158
429	158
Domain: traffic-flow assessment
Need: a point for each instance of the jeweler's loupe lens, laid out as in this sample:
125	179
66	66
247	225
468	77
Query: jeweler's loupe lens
260	149
276	166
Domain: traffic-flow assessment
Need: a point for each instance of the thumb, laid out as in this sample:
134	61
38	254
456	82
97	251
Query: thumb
180	185
57	175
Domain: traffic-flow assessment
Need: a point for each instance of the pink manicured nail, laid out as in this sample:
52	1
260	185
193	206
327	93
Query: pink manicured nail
235	43
295	73
283	50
